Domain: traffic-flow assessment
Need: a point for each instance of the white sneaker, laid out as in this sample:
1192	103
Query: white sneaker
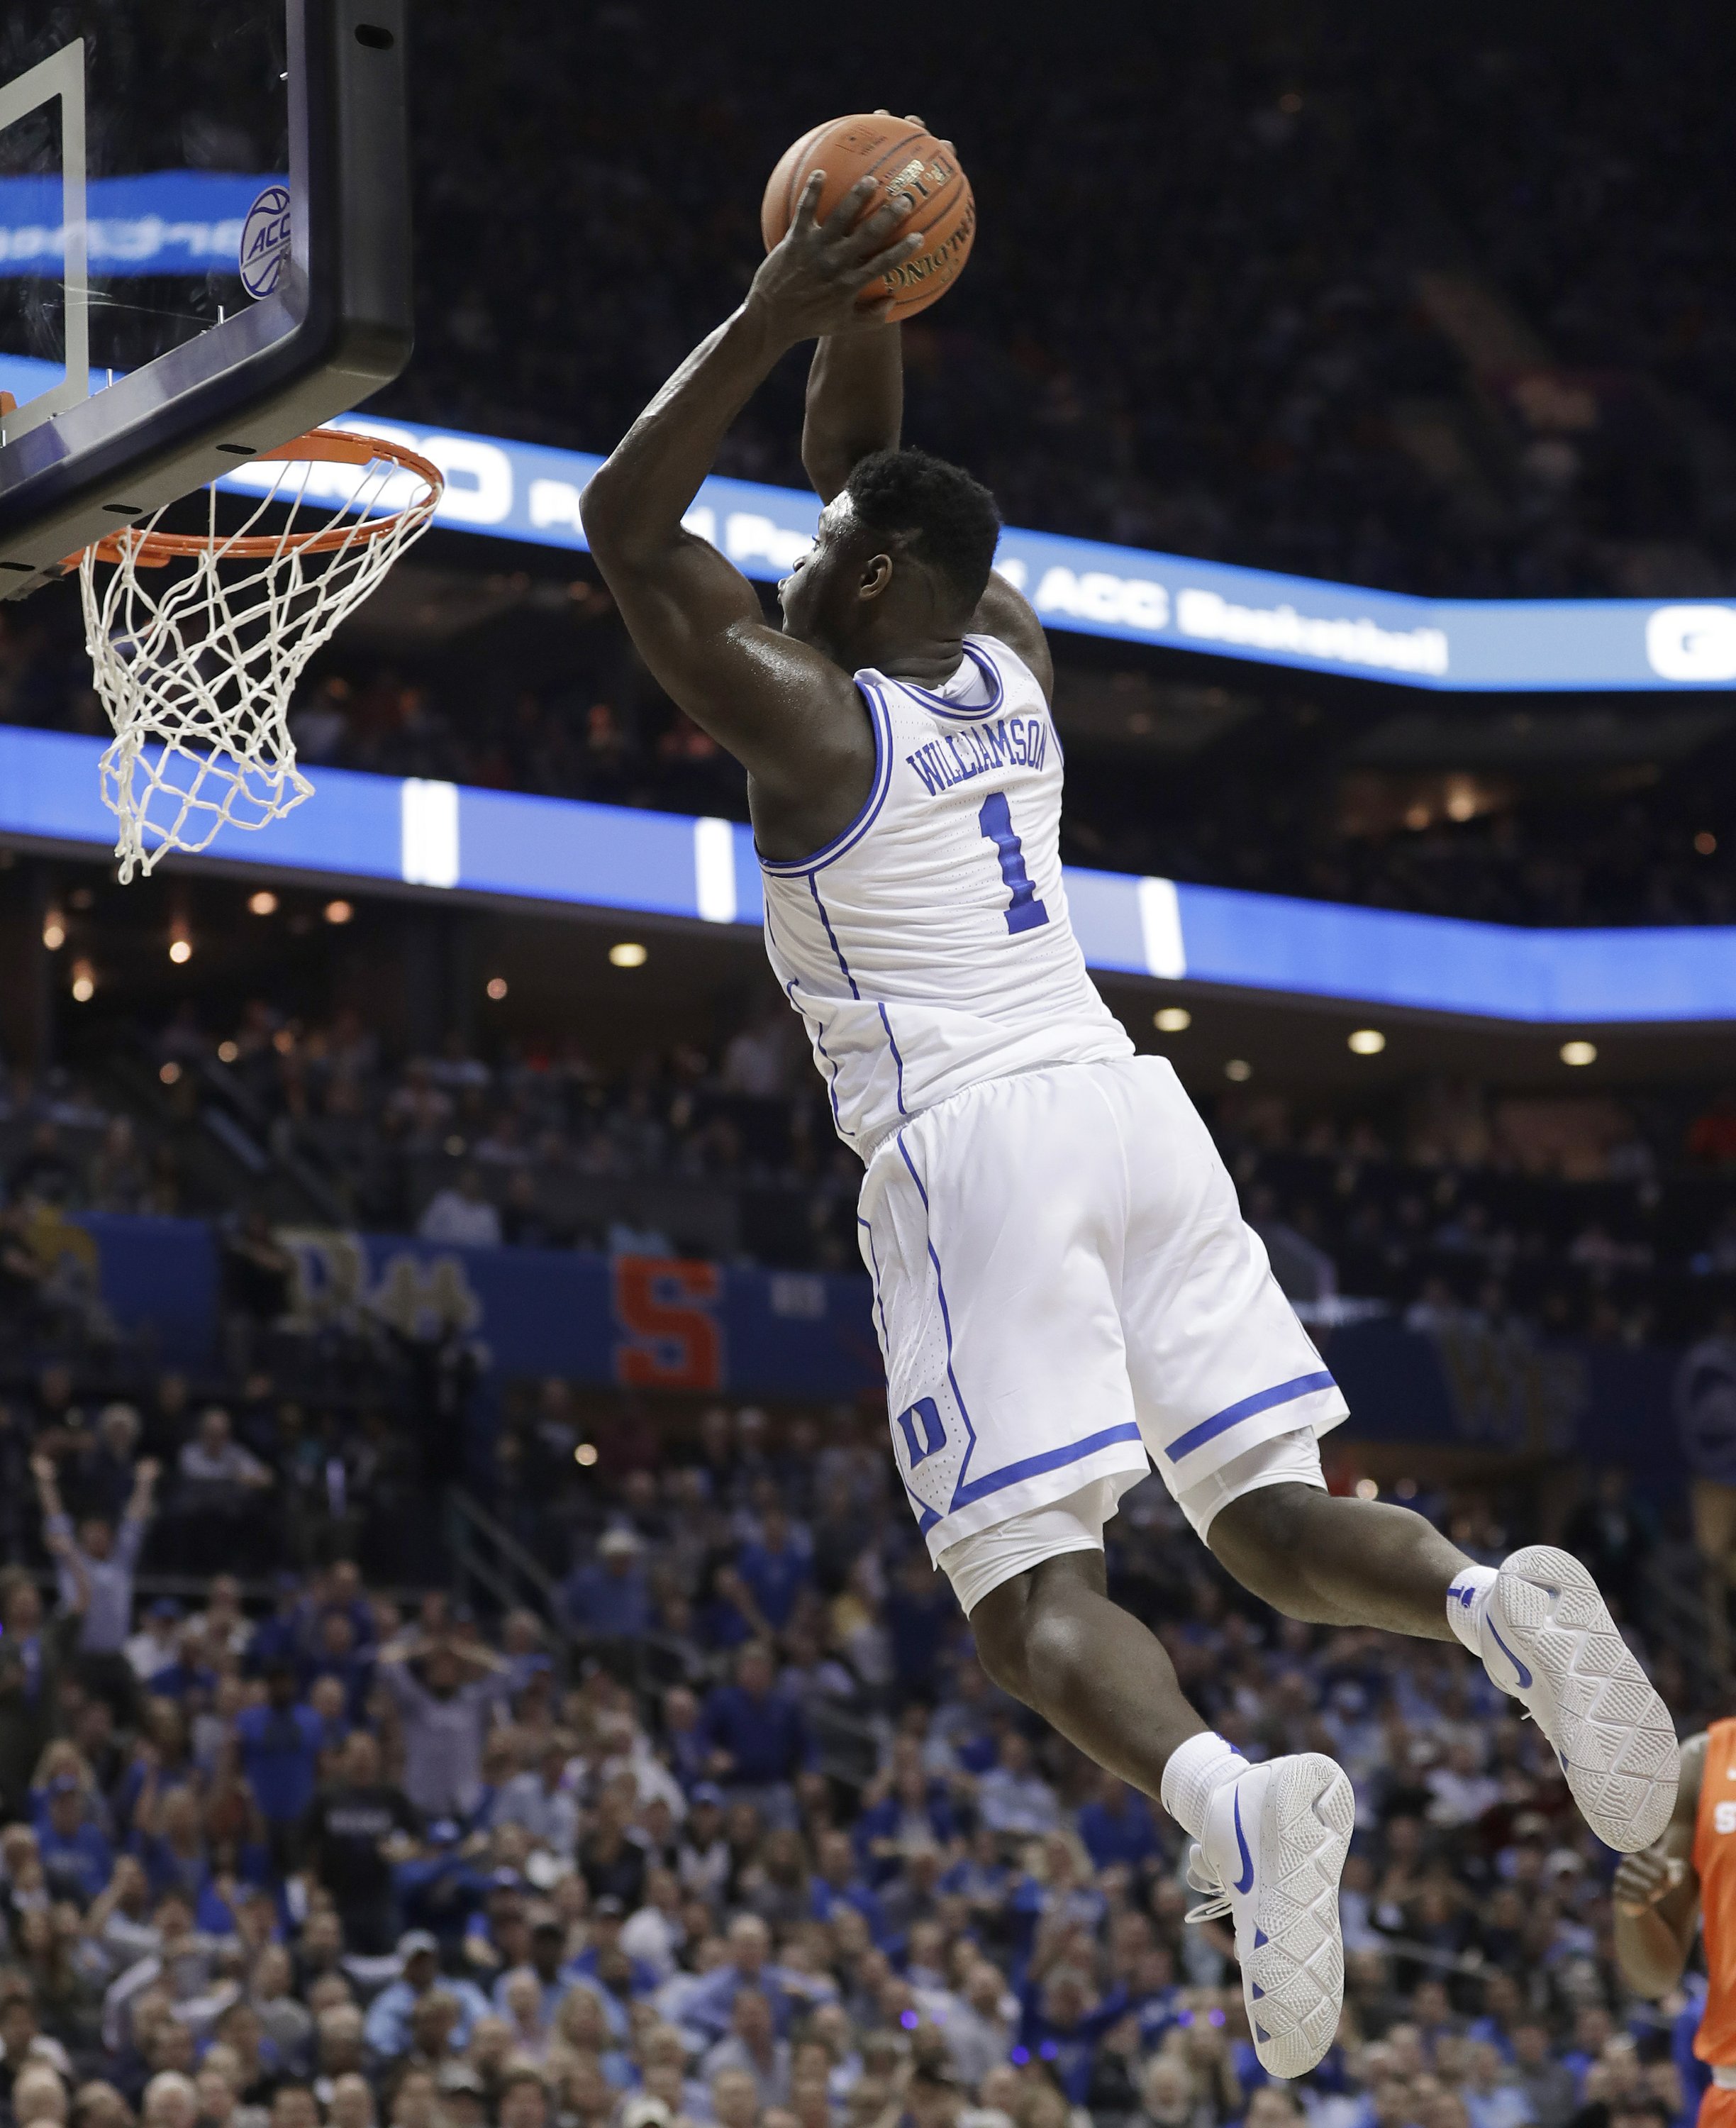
1274	1846
1548	1639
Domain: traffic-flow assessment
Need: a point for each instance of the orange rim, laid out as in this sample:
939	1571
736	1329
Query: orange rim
150	550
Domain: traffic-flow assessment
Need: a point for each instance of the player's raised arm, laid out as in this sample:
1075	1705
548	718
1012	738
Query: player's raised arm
695	620
856	406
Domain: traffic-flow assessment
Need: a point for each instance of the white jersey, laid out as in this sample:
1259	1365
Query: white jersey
927	948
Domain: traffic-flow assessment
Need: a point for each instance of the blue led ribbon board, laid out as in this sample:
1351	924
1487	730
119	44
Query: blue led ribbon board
556	851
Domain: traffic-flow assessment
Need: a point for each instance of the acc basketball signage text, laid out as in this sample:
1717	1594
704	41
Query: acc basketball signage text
531	491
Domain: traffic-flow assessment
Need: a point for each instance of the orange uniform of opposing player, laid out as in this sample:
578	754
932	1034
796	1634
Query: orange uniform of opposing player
1689	1877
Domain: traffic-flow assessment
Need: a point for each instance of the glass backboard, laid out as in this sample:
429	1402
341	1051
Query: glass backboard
140	149
204	247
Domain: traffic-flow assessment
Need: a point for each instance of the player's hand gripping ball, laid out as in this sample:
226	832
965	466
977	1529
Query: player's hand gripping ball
906	162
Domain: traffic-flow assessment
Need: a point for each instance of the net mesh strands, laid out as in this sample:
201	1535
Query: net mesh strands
197	640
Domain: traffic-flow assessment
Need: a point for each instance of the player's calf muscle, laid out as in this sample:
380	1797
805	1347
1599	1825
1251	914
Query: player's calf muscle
1336	1562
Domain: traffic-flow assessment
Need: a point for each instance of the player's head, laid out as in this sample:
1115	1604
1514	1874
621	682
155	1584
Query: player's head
902	556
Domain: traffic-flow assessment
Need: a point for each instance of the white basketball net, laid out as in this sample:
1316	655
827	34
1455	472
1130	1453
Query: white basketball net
197	642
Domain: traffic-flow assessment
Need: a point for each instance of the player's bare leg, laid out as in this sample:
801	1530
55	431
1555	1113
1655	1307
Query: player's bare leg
1271	1838
1339	1562
1052	1638
1538	1622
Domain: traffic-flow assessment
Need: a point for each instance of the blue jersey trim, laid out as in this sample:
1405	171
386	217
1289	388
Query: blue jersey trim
940	1287
837	951
968	711
925	1518
917	1179
842	1128
874	1258
1051	1458
879	719
1220	1422
898	1060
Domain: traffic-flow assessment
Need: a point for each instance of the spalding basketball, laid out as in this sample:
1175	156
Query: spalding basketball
905	160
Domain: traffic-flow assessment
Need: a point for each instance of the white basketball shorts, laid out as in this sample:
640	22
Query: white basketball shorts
1064	1288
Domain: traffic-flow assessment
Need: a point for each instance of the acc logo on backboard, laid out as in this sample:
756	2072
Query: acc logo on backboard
265	241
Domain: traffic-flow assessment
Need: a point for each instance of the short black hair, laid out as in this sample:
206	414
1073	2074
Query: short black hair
944	517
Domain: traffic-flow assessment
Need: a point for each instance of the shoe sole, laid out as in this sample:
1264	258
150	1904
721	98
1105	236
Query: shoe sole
1293	1965
1617	1744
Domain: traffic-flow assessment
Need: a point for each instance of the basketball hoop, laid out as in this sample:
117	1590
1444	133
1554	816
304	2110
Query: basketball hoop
196	672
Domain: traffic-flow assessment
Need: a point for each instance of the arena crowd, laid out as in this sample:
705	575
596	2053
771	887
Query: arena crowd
734	1830
1594	1215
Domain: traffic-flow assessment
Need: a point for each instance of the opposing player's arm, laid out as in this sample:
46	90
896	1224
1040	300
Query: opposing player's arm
856	406
1656	1895
770	699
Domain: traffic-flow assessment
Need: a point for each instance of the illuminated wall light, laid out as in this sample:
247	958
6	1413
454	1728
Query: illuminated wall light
1706	843
1172	1019
265	903
53	930
585	1455
497	987
180	951
170	1073
84	981
338	912
1239	1068
1366	1489
1579	1053
228	1052
1366	1041
629	954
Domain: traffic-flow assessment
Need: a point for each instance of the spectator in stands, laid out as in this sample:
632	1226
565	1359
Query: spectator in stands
462	1215
357	1827
220	1485
95	1571
257	1274
445	1712
77	1861
279	1745
610	1597
776	1569
757	1736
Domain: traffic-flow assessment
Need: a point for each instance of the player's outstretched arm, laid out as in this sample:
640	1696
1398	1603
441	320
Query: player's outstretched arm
855	406
1656	1894
695	618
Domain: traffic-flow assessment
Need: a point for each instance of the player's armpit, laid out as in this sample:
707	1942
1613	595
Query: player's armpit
1008	615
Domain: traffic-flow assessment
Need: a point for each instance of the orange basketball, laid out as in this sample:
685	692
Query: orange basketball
905	160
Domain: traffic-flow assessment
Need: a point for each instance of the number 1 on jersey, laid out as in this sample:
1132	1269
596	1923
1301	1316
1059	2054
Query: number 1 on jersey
1025	912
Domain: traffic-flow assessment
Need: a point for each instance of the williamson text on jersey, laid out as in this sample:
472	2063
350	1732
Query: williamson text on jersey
956	756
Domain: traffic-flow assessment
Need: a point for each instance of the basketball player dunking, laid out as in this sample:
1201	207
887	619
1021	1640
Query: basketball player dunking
1064	1290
